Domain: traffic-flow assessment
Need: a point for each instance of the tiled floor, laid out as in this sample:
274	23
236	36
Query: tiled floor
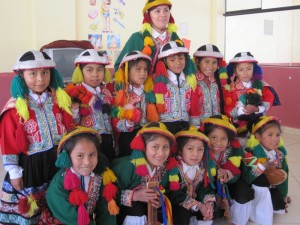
291	138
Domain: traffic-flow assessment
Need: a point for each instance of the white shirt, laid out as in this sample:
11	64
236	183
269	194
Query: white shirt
162	36
95	91
40	99
190	171
86	178
173	77
137	90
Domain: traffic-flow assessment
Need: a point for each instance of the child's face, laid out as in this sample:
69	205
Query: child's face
160	18
93	74
208	66
138	73
157	151
270	138
244	71
192	152
37	80
84	157
176	63
218	140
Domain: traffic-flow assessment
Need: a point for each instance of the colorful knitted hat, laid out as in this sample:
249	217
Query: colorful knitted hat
210	50
19	89
77	196
121	88
90	56
210	168
138	148
161	75
147	28
221	120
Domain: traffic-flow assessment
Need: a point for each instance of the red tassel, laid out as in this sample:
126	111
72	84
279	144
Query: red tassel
160	69
23	205
110	191
174	149
137	143
195	107
83	216
71	181
111	87
205	178
171	20
222	63
160	108
232	168
147	18
78	197
235	143
147	50
172	162
142	170
160	88
174	186
137	115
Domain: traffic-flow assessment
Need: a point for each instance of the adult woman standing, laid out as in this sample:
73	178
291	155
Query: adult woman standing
158	28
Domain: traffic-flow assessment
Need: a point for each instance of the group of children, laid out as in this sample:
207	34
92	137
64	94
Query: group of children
169	140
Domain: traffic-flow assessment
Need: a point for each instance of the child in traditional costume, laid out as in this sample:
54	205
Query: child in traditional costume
212	81
32	124
83	190
144	175
132	99
227	153
194	202
250	97
267	170
174	87
91	97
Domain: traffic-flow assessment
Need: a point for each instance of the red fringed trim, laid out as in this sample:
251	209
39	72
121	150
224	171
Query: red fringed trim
137	143
160	108
160	88
23	205
110	191
160	69
147	18
83	216
232	168
21	139
137	115
78	197
142	170
71	181
195	107
174	186
172	163
235	143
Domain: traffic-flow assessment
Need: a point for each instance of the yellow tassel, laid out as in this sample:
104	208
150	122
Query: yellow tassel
139	161
108	176
113	209
281	143
63	100
261	160
148	41
252	142
235	160
107	76
77	76
191	79
160	99
223	76
22	108
126	75
173	178
149	84
119	76
213	171
180	42
33	205
172	28
120	112
227	87
148	27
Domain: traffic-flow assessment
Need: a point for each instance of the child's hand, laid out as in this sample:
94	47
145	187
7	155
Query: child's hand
249	109
17	183
146	195
204	211
222	175
210	210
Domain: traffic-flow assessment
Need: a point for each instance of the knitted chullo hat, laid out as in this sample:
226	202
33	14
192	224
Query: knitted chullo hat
121	88
147	28
90	56
193	132
210	50
259	124
71	183
223	121
138	148
19	89
161	75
